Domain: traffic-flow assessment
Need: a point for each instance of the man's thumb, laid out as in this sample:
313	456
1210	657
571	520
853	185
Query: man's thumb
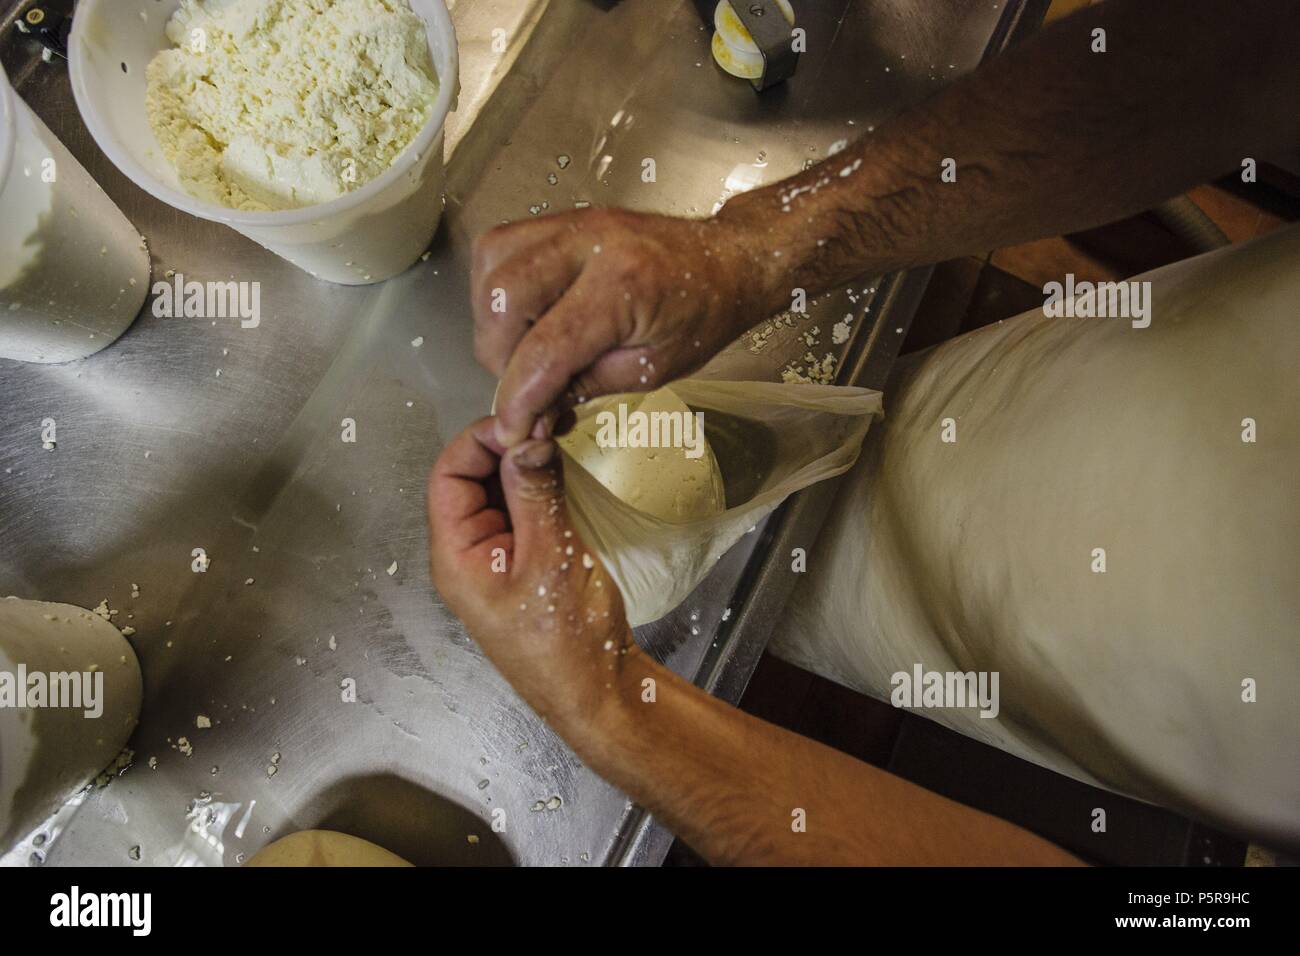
533	483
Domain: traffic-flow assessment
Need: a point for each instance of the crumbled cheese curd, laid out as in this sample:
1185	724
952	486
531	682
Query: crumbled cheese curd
279	104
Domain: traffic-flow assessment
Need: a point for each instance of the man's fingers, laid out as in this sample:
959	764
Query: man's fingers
622	370
518	272
457	490
497	245
534	491
472	454
566	340
512	296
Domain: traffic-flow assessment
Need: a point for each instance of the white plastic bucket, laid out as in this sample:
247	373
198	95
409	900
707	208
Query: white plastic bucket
365	236
73	270
49	752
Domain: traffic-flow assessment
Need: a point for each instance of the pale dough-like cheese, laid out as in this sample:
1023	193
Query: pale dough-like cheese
662	482
324	848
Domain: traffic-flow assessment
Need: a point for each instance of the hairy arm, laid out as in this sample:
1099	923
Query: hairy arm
1049	138
733	786
730	784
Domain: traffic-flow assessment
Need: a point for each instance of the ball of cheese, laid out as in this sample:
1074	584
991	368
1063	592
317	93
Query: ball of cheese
649	451
324	848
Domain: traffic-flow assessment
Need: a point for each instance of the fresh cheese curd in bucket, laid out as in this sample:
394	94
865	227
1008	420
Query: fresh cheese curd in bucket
279	104
315	127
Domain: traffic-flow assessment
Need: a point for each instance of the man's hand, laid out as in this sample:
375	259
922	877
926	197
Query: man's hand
598	301
553	624
606	301
509	564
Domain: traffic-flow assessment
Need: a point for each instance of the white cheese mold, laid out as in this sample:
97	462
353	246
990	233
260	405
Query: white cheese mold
73	270
70	691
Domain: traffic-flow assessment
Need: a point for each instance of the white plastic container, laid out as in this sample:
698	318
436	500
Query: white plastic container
365	236
48	753
73	270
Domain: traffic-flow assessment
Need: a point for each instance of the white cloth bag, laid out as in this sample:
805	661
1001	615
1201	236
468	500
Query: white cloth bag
770	440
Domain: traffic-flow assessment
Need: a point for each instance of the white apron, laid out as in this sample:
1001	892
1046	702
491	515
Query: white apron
1078	434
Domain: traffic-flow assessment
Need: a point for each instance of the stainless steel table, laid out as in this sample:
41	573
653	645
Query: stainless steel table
190	433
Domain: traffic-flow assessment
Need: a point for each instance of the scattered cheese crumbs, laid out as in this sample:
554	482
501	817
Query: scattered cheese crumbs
392	569
587	562
120	765
760	337
471	839
128	631
248	581
417	341
202	722
334	644
812	371
184	746
104	611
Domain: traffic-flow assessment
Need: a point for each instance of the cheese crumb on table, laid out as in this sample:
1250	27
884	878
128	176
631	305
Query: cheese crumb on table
811	371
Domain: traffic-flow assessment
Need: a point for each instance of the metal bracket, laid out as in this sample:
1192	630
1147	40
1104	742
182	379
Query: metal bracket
767	25
48	28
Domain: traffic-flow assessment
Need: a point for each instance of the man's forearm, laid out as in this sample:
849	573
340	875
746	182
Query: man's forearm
1048	138
742	791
